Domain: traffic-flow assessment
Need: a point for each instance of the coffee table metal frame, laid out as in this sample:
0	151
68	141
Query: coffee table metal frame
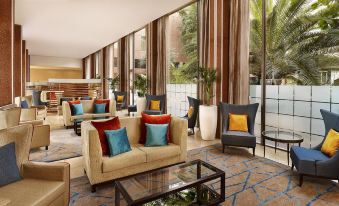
119	188
298	140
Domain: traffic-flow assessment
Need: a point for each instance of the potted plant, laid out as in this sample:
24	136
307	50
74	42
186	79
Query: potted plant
113	83
140	85
208	114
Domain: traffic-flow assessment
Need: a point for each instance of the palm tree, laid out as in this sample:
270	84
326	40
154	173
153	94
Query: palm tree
302	38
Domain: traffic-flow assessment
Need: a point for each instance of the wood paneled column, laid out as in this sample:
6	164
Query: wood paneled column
92	56
28	67
104	75
17	66
23	68
6	52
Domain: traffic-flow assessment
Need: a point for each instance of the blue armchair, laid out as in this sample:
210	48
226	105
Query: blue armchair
312	162
235	138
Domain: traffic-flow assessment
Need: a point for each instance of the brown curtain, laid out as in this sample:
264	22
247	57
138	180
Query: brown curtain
124	64
223	39
104	72
156	56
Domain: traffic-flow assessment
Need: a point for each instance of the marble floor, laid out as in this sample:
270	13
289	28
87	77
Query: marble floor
193	142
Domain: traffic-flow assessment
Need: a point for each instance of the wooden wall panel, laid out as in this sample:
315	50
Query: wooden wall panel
23	68
28	67
6	51
17	54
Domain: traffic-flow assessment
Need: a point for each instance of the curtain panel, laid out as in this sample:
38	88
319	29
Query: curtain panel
104	72
223	40
124	64
157	56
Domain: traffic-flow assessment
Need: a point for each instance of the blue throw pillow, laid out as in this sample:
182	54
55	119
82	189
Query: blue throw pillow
24	104
77	109
9	171
117	141
99	108
156	135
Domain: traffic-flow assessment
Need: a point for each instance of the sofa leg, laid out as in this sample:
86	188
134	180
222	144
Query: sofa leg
253	151
193	130
46	147
301	180
93	188
292	167
223	148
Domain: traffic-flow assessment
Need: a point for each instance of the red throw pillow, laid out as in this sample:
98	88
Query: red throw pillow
103	101
71	103
112	124
154	119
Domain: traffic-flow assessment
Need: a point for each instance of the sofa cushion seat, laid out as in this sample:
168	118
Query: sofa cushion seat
32	192
124	160
305	159
160	152
83	116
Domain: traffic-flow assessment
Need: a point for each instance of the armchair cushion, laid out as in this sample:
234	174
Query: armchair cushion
238	122
156	135
71	103
120	98
331	143
238	138
155	105
305	159
9	171
190	112
78	109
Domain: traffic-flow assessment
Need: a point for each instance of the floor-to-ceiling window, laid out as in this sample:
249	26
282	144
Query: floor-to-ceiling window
183	59
301	65
112	63
140	52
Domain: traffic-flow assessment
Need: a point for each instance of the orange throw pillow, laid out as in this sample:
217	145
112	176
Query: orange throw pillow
120	98
155	105
238	122
112	124
103	101
154	119
331	143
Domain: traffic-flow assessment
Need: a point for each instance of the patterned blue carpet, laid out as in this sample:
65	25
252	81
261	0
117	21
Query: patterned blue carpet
249	181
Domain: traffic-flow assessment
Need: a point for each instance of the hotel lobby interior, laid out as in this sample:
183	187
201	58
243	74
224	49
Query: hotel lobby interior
169	103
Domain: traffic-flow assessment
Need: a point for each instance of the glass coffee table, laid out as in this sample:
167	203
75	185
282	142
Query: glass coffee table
282	137
192	183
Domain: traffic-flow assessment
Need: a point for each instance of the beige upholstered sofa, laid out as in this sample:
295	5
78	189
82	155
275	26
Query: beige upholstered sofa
88	107
17	116
101	168
42	183
41	109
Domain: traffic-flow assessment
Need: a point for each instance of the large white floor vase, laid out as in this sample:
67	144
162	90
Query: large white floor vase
208	116
141	105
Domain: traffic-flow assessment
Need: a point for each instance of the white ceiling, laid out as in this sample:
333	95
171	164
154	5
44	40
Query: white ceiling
76	28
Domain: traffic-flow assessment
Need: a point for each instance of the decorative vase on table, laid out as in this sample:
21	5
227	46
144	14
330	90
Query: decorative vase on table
208	114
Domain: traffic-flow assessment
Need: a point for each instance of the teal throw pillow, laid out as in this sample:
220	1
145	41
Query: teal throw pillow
77	109
117	141
99	108
156	135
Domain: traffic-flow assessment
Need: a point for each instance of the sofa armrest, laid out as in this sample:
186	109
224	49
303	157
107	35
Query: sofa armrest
66	113
91	150
112	107
58	171
28	114
178	130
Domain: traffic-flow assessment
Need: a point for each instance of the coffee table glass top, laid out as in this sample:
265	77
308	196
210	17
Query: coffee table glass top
281	135
167	179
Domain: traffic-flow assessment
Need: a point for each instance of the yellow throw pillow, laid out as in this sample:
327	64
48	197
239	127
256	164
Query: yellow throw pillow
331	143
155	105
190	112
238	122
120	98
